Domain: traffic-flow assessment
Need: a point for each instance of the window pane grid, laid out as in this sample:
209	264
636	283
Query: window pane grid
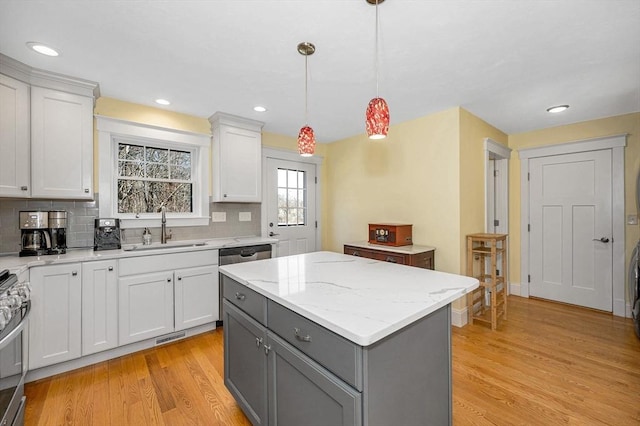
152	177
292	197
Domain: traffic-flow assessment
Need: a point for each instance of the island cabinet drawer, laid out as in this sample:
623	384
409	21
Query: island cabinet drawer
254	304
337	354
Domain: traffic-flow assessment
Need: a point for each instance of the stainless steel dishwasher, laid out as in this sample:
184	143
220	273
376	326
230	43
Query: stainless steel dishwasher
228	256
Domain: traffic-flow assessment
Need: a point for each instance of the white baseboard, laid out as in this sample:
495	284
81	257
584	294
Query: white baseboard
621	308
459	317
515	289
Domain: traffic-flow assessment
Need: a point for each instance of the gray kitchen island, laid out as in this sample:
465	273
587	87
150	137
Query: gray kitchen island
329	339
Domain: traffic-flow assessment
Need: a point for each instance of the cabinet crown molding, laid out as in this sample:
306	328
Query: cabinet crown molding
236	121
48	79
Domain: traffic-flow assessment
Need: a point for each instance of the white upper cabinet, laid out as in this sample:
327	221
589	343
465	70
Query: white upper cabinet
61	145
14	138
237	159
46	133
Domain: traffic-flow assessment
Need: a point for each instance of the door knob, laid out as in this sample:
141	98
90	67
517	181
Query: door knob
602	240
272	234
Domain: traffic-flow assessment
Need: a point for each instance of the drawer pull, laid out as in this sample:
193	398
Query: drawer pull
267	348
301	338
355	253
258	342
110	268
391	259
240	296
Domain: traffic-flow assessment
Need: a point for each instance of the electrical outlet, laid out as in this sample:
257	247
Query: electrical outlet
218	217
244	216
632	219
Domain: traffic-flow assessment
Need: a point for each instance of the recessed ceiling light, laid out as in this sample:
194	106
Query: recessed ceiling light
163	102
259	108
42	48
557	108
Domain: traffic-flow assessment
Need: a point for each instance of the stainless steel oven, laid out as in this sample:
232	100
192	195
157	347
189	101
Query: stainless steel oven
14	313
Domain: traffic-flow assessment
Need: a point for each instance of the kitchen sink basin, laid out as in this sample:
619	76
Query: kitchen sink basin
141	247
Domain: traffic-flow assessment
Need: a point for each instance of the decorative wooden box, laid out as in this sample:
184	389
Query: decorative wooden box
390	234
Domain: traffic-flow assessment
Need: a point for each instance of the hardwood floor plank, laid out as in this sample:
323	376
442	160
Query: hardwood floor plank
549	364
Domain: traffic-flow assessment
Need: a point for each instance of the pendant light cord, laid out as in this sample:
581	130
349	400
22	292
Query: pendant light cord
306	95
376	55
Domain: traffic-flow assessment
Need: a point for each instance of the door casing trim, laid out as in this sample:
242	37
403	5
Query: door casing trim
288	155
616	144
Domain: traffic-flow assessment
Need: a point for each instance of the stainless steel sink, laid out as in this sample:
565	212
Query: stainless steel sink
141	247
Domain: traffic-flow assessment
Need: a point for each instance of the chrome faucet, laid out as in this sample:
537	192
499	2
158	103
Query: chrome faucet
163	231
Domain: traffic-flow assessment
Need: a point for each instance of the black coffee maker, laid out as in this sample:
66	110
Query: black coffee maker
106	234
58	231
35	237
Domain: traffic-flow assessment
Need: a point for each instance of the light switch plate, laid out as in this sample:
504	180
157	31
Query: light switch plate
632	219
218	216
244	216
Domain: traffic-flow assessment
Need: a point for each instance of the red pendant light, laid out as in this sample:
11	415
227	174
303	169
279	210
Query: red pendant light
306	141
306	138
377	116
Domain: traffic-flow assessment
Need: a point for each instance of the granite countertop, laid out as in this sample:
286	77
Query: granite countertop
362	300
18	264
410	249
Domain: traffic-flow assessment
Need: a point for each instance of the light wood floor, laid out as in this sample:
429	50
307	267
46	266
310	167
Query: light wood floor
549	364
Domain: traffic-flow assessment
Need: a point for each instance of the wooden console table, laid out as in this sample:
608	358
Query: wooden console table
413	255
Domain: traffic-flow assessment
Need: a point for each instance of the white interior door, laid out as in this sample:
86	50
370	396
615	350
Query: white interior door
571	228
291	205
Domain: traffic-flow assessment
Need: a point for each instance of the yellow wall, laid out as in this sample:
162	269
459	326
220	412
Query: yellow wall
473	131
628	123
412	176
116	108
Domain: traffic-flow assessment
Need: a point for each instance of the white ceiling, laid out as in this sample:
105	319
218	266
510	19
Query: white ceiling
505	61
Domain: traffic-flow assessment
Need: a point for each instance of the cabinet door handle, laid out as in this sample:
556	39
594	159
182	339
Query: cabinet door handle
110	268
391	259
225	195
24	188
168	280
267	348
300	337
258	342
86	190
240	296
179	278
74	273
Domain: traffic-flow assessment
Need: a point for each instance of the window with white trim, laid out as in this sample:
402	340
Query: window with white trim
150	177
144	167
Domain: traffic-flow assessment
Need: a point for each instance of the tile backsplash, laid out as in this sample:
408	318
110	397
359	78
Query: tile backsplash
81	216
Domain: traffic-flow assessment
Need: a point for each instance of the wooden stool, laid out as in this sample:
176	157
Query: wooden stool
481	247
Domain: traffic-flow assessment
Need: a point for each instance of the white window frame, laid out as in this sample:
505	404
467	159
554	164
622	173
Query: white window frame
111	131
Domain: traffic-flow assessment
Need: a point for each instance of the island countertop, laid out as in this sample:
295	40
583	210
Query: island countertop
362	300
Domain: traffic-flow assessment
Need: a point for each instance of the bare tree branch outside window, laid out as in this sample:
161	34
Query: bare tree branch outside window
151	177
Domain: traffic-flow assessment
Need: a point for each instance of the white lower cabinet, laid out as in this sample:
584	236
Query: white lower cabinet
154	303
194	291
146	306
80	309
55	322
99	306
